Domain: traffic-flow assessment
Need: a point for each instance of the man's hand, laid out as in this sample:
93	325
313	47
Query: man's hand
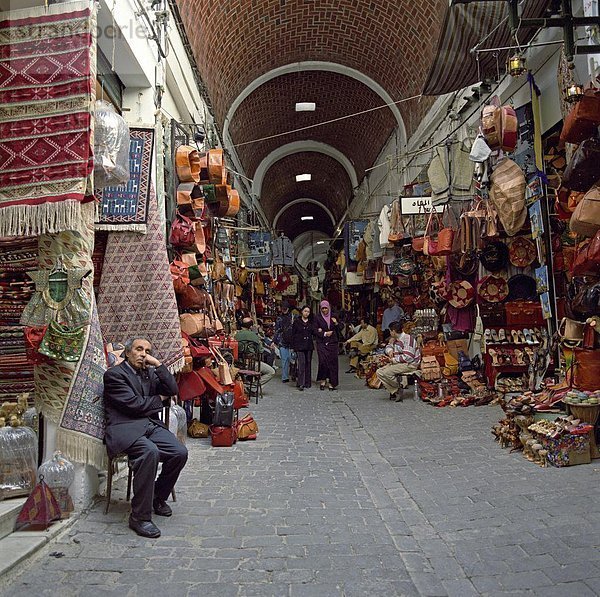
150	361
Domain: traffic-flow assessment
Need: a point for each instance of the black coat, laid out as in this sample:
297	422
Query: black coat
319	323
128	410
302	334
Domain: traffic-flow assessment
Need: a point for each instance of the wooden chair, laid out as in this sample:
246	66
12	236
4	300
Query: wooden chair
249	359
113	468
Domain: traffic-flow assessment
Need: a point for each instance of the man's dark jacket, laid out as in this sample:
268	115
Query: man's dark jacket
128	410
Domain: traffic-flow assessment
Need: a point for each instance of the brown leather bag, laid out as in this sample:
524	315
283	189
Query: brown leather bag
588	259
586	217
584	168
193	297
587	368
582	121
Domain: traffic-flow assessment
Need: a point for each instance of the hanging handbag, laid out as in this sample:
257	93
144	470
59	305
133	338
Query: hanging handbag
180	275
33	339
217	324
247	428
183	231
196	324
582	121
62	343
584	168
586	217
193	297
587	260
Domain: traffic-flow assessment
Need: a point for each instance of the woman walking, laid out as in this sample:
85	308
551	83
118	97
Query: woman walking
302	343
327	338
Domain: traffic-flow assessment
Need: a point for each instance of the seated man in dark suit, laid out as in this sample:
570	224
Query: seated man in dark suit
133	393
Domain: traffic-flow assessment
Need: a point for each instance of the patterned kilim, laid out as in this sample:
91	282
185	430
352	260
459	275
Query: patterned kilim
125	207
47	88
136	296
81	428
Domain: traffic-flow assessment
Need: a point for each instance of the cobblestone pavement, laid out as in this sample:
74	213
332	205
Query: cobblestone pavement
346	493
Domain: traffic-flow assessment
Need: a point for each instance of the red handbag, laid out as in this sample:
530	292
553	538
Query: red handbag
190	386
222	437
587	368
240	398
588	260
583	120
197	349
183	231
180	275
192	297
33	339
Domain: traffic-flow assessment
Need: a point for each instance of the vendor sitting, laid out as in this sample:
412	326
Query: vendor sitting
404	356
362	343
247	337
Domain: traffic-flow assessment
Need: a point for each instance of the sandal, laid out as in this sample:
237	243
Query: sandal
494	335
515	336
519	356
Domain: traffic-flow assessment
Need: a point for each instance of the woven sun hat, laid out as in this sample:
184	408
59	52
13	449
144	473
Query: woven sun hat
460	294
522	287
522	252
493	289
507	193
494	256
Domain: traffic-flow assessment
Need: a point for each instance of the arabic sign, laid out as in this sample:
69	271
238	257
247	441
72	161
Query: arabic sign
411	206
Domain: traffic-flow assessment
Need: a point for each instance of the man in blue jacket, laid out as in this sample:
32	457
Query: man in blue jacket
135	391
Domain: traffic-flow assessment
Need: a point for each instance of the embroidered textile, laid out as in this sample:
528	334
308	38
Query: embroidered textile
125	207
73	310
81	428
47	88
136	296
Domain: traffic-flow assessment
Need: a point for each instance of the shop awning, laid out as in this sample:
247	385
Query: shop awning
466	25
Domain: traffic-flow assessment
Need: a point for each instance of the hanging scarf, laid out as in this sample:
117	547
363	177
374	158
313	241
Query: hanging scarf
327	317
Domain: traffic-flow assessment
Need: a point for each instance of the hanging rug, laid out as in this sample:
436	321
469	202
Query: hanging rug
47	84
136	298
125	207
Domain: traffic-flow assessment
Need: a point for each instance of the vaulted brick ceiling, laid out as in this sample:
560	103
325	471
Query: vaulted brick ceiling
387	42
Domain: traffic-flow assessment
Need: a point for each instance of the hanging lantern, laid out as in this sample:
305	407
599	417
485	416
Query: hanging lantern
59	474
574	93
517	65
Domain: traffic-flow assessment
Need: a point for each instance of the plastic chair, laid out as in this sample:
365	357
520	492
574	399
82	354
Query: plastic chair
113	468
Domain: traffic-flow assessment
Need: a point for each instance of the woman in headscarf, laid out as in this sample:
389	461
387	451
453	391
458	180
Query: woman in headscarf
327	338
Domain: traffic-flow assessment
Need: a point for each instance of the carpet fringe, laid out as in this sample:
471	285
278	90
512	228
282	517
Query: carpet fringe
33	220
82	449
142	228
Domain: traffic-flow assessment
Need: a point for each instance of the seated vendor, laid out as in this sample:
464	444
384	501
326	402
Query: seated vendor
362	343
404	356
245	337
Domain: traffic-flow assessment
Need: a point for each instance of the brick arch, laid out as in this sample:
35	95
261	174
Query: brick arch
271	109
291	224
390	41
330	183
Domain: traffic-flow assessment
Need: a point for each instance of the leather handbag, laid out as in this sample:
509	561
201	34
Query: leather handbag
183	231
240	398
197	349
222	437
196	429
179	275
190	385
450	366
224	370
33	339
195	324
582	121
187	164
508	125
223	412
586	217
491	126
62	343
571	330
193	297
247	428
586	368
584	168
587	260
217	324
587	301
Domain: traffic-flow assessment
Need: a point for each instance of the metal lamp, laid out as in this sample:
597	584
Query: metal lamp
574	93
517	65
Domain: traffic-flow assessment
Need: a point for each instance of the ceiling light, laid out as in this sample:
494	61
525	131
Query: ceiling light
320	242
303	177
306	106
306	218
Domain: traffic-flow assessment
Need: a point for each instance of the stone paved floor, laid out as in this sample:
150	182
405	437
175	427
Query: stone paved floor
346	493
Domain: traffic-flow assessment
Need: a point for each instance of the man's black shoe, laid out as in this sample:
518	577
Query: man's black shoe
162	508
351	370
144	528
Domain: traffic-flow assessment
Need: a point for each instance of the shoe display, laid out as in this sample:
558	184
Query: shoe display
161	508
144	528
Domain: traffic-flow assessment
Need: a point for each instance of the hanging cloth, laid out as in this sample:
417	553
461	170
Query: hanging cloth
72	310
